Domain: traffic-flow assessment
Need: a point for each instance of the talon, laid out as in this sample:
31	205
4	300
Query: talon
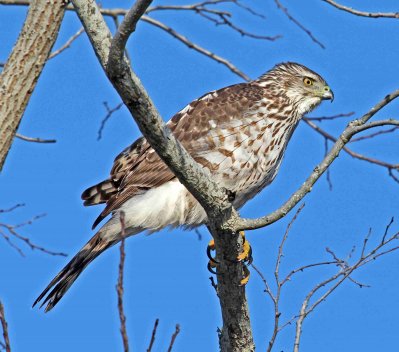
212	261
247	273
246	254
211	265
211	247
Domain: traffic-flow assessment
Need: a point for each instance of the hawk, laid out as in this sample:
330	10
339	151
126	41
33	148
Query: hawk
238	134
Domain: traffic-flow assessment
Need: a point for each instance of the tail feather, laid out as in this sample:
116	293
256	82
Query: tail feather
99	193
67	276
57	288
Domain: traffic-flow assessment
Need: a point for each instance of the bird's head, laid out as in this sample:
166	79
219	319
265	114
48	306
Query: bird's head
302	86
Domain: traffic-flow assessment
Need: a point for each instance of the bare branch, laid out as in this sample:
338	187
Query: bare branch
115	12
35	140
154	332
328	172
267	287
219	17
11	231
352	129
4	325
24	66
299	24
375	134
276	301
237	330
344	273
326	135
67	44
119	286
12	208
329	118
196	47
392	175
173	339
110	111
363	13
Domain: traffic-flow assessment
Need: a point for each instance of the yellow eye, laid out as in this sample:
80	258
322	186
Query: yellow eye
307	81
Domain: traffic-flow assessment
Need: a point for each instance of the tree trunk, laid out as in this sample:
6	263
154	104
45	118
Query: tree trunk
24	66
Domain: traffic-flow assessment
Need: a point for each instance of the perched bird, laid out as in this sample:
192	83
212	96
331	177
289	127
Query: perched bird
238	134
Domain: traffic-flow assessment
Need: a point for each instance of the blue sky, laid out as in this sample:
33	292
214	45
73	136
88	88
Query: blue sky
166	275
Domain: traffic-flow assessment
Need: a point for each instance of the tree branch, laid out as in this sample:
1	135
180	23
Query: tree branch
354	127
362	13
119	286
154	332
66	45
35	140
327	136
236	334
173	339
197	8
11	231
25	65
299	24
196	47
344	273
5	329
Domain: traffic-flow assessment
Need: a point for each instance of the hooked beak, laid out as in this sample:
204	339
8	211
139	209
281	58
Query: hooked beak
327	94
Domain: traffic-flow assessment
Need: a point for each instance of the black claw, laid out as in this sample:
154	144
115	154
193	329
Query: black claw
208	253
249	259
210	269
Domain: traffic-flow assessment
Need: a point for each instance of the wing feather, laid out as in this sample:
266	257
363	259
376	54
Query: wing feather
138	168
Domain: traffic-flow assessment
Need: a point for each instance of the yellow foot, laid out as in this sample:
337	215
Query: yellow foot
212	262
246	254
245	257
247	273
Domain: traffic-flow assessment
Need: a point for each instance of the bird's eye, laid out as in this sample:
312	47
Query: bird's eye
307	81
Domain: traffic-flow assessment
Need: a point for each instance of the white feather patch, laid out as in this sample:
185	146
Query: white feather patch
166	205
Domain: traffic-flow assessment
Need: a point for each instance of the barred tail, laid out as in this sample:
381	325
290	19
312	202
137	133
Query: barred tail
67	276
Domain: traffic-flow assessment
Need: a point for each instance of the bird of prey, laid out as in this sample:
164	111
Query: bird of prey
238	134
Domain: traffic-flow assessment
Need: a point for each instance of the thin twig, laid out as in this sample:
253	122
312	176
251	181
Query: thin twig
67	44
5	329
110	111
11	230
363	13
267	287
277	313
329	118
375	134
172	341
154	332
119	286
192	45
356	155
344	273
35	140
299	24
303	268
12	208
328	173
213	284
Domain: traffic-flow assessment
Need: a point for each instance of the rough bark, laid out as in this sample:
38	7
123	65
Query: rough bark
24	66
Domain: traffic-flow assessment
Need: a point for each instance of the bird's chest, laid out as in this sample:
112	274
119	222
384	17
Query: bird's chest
248	160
